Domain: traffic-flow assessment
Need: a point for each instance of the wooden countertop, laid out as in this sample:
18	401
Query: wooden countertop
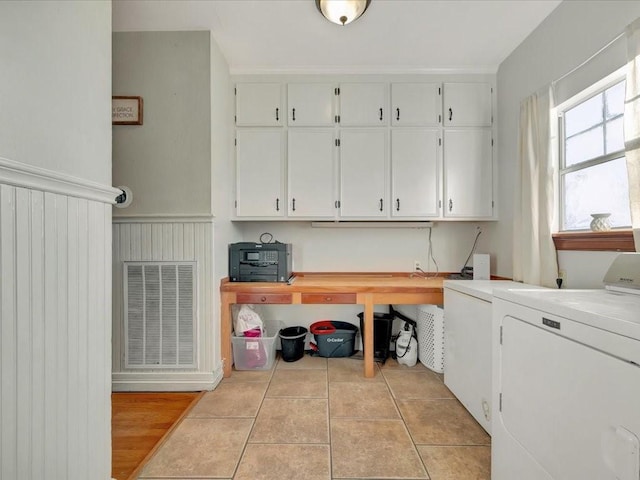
317	282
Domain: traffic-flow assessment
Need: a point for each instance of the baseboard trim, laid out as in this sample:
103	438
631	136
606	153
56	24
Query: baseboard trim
165	382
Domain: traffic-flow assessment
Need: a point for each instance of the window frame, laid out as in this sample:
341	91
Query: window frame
559	112
586	241
618	239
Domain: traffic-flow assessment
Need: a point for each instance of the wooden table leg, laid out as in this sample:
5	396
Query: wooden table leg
369	371
226	299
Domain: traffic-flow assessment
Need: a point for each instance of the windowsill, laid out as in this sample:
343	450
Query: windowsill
611	241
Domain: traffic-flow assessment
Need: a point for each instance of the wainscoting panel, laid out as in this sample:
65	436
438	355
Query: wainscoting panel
170	239
55	339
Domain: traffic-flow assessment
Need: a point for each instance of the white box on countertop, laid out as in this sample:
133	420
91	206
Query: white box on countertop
481	266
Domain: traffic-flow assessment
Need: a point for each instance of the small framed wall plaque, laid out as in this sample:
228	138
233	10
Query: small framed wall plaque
126	110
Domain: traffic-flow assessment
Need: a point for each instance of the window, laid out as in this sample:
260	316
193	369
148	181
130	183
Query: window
593	170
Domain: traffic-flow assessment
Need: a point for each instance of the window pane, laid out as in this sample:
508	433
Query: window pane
603	188
585	146
583	116
614	98
615	135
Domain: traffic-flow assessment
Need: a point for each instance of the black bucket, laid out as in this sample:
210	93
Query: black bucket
292	339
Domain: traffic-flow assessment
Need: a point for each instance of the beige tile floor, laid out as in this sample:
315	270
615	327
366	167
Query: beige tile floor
320	419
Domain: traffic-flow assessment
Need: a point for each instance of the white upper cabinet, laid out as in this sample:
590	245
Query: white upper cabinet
259	172
259	104
404	149
414	173
312	173
468	173
467	105
364	104
311	104
416	104
363	173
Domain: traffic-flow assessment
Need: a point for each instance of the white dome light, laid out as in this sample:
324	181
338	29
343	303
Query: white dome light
342	12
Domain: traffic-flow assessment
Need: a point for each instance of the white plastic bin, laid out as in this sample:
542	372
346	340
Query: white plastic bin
430	331
256	353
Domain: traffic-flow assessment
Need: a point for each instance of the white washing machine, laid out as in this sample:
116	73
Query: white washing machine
566	382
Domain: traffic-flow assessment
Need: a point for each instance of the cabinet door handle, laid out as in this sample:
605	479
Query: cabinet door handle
450	204
381	203
397	204
293	114
327	299
450	114
380	114
277	204
293	202
398	114
277	114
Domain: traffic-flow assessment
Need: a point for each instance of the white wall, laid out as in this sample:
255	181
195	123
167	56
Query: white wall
171	163
55	240
55	86
166	161
167	240
371	249
569	36
225	232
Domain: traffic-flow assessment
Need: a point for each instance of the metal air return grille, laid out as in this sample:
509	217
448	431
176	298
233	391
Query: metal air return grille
160	313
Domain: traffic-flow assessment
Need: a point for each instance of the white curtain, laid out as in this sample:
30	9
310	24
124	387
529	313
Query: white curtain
534	254
632	124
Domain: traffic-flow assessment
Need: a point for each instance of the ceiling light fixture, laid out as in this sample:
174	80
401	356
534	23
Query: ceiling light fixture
342	12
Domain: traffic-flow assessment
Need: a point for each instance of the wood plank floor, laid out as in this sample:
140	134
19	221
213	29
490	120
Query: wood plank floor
139	423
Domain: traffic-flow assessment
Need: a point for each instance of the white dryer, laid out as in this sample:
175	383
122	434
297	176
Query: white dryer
566	378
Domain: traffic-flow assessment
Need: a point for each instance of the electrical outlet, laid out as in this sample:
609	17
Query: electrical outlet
416	266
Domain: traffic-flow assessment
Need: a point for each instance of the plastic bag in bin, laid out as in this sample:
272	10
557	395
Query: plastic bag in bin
246	318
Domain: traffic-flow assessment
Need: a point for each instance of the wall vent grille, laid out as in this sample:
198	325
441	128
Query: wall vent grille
160	314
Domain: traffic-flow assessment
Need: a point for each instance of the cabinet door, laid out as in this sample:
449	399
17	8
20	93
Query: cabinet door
311	173
414	172
259	104
311	104
363	177
259	168
415	104
467	105
468	173
363	104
